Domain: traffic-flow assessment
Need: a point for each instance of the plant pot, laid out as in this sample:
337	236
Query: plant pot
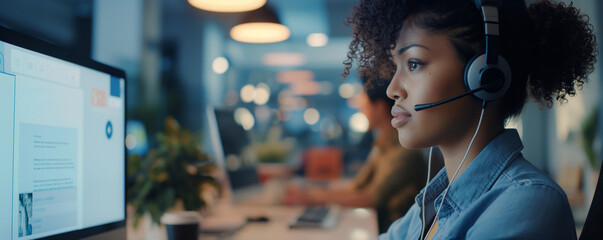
145	230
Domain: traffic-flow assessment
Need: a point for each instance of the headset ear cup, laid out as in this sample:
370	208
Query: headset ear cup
473	77
470	79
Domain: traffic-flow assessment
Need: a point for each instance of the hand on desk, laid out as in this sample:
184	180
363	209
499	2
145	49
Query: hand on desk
304	196
342	195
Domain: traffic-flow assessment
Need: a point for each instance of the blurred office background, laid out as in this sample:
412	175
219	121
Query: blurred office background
179	59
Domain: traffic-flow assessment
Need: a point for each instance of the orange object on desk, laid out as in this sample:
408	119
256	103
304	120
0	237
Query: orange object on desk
323	163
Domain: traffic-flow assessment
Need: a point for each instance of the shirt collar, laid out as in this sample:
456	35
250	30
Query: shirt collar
436	186
479	176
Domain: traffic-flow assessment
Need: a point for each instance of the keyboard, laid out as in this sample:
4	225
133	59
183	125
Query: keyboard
317	217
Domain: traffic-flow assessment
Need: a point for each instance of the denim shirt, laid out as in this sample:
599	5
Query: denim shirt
500	195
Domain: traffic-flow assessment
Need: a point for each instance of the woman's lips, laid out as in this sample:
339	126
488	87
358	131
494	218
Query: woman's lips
400	117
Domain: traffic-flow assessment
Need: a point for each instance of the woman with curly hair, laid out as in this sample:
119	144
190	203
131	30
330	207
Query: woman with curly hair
500	52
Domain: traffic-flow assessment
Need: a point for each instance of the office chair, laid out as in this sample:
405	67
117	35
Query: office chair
594	220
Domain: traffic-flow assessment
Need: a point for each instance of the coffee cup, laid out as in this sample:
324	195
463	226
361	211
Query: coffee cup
181	225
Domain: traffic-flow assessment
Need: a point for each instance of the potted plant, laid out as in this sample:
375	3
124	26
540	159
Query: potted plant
589	130
591	143
272	154
172	175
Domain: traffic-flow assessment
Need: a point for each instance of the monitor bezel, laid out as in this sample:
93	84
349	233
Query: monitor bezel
37	45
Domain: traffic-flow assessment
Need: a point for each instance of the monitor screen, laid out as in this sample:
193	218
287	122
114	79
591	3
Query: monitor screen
62	151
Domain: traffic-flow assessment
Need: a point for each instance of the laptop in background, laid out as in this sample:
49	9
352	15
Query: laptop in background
236	157
234	154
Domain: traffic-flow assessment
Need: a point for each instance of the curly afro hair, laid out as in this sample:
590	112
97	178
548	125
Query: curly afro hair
551	47
566	47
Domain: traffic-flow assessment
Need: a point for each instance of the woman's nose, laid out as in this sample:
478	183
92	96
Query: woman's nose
396	90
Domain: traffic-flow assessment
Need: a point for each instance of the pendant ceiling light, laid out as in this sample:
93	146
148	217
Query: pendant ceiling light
260	26
227	5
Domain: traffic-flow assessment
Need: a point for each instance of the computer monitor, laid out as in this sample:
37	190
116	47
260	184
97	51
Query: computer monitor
62	151
234	153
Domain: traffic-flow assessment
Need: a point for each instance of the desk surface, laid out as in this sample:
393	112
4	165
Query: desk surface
354	223
357	224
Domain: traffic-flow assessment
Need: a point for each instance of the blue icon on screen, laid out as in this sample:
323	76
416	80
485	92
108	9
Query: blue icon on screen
109	129
115	87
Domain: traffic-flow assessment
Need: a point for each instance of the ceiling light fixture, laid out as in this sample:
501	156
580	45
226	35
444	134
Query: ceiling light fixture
260	26
227	5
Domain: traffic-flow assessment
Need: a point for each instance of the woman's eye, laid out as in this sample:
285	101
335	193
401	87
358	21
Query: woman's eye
413	65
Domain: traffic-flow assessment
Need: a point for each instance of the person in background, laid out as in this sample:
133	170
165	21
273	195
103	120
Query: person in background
391	176
434	50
